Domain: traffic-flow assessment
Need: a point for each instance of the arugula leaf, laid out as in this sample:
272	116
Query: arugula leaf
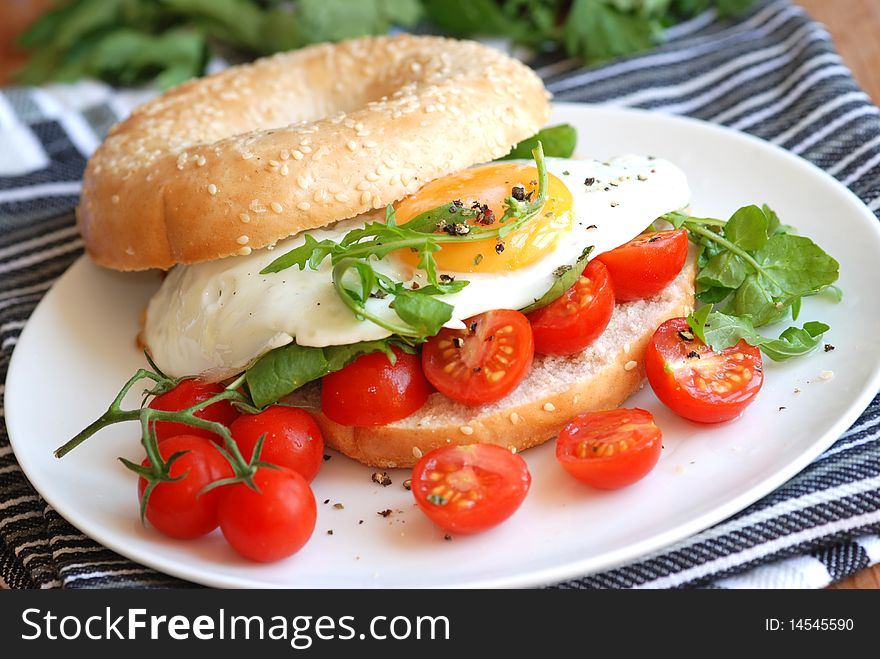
763	270
285	369
566	276
747	228
558	142
422	315
724	270
719	331
757	262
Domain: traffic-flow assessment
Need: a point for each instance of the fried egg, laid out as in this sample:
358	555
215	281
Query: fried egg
217	318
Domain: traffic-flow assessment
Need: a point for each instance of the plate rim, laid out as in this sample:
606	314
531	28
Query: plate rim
554	573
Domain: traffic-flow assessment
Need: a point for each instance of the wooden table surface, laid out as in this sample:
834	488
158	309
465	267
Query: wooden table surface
854	25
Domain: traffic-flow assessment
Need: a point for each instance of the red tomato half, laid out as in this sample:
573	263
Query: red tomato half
695	381
176	508
610	449
572	322
371	391
484	362
646	264
273	523
293	439
467	489
186	394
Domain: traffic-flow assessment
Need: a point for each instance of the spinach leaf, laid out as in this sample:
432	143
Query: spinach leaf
285	369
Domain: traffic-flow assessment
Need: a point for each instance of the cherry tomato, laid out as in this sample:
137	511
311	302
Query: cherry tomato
610	449
573	321
186	394
697	382
467	489
293	439
176	508
646	264
484	362
371	391
272	523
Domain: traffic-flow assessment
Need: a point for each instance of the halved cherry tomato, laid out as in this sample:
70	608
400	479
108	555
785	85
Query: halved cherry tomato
272	523
483	362
293	439
467	489
610	449
371	391
697	382
646	264
572	322
186	394
175	508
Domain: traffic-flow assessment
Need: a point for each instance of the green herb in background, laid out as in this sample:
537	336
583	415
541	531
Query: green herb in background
169	41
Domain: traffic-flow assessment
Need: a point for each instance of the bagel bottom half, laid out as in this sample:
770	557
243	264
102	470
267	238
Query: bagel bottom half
601	377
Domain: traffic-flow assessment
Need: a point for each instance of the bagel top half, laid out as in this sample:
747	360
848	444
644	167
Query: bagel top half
251	155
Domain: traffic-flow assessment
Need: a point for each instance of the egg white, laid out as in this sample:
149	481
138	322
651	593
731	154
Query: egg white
218	317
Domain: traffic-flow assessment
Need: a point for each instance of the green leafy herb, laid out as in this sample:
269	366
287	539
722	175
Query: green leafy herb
285	369
558	142
126	41
759	271
719	330
566	276
755	265
420	312
593	30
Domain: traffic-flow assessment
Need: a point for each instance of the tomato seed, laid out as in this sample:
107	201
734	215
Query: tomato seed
495	376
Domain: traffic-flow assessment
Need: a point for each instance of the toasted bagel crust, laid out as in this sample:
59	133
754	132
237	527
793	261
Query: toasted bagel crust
558	388
243	158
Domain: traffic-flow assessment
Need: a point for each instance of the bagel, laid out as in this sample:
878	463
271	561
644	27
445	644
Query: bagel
243	158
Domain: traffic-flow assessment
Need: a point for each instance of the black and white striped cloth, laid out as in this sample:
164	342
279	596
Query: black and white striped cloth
773	73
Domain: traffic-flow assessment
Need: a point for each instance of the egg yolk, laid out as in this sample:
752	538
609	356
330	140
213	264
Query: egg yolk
491	185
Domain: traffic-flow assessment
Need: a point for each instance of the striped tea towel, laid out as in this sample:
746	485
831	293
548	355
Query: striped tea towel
773	73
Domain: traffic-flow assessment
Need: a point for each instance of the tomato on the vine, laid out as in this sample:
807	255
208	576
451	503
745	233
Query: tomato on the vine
697	382
187	393
483	362
273	522
293	439
573	321
467	489
646	264
175	508
610	449
371	391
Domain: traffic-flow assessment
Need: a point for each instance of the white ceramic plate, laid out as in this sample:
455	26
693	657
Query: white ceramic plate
78	349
